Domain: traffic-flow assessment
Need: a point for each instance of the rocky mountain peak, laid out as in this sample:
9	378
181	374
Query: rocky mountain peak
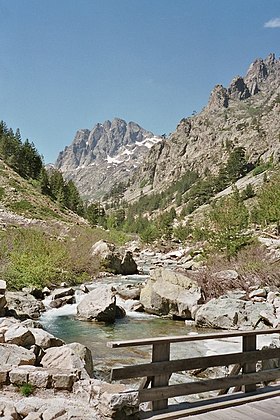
112	149
259	73
218	98
246	114
238	89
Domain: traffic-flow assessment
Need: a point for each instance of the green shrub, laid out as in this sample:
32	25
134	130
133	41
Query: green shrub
267	209
22	206
30	257
149	234
227	221
26	389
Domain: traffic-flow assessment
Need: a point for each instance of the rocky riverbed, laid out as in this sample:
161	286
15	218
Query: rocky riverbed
66	376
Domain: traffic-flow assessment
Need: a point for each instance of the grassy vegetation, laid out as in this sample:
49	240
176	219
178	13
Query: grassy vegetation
31	257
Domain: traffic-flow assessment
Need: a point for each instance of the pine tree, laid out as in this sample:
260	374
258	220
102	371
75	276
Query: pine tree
44	182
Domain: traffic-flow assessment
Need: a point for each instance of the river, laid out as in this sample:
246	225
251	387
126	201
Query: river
63	324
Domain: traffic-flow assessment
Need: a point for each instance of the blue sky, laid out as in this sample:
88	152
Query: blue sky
68	64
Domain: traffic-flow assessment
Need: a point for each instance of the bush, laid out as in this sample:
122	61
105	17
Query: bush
253	264
30	257
26	389
267	209
226	223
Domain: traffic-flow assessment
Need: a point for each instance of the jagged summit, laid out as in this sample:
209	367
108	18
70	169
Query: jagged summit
245	114
242	88
105	155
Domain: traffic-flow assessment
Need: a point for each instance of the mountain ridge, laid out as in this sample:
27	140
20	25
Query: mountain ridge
105	155
246	114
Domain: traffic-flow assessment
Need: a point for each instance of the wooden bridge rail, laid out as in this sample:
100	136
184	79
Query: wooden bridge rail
158	372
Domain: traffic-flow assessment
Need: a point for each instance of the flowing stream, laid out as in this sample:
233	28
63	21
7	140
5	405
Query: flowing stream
61	323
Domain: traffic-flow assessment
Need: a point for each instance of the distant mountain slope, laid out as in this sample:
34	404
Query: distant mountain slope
105	156
245	114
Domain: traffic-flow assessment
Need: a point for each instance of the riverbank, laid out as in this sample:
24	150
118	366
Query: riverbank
167	301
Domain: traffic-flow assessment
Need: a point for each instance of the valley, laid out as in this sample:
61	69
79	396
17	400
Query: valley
131	234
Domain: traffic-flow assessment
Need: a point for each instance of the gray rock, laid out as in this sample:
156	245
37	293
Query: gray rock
98	305
66	300
4	375
128	265
170	293
128	291
3	302
34	291
120	312
19	375
11	354
271	296
40	378
61	293
23	305
74	356
84	288
136	307
46	291
19	335
63	380
238	89
226	275
3	287
116	403
220	313
44	339
228	313
258	293
112	261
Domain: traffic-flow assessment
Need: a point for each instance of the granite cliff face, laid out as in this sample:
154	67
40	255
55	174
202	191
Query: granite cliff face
102	157
246	114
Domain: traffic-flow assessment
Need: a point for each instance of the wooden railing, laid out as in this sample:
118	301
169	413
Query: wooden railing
158	372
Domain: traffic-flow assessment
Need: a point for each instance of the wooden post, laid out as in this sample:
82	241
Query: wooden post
249	344
161	353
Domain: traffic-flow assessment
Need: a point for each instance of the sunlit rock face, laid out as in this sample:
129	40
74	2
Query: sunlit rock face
246	114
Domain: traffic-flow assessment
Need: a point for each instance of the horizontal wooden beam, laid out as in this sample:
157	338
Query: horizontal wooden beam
183	338
156	368
189	388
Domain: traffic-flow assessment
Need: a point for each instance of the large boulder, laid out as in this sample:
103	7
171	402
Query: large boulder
221	313
23	305
19	335
112	401
11	354
170	293
45	339
98	305
111	260
128	291
128	265
229	313
74	356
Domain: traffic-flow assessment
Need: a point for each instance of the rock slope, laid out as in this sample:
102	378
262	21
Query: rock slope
102	157
245	114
